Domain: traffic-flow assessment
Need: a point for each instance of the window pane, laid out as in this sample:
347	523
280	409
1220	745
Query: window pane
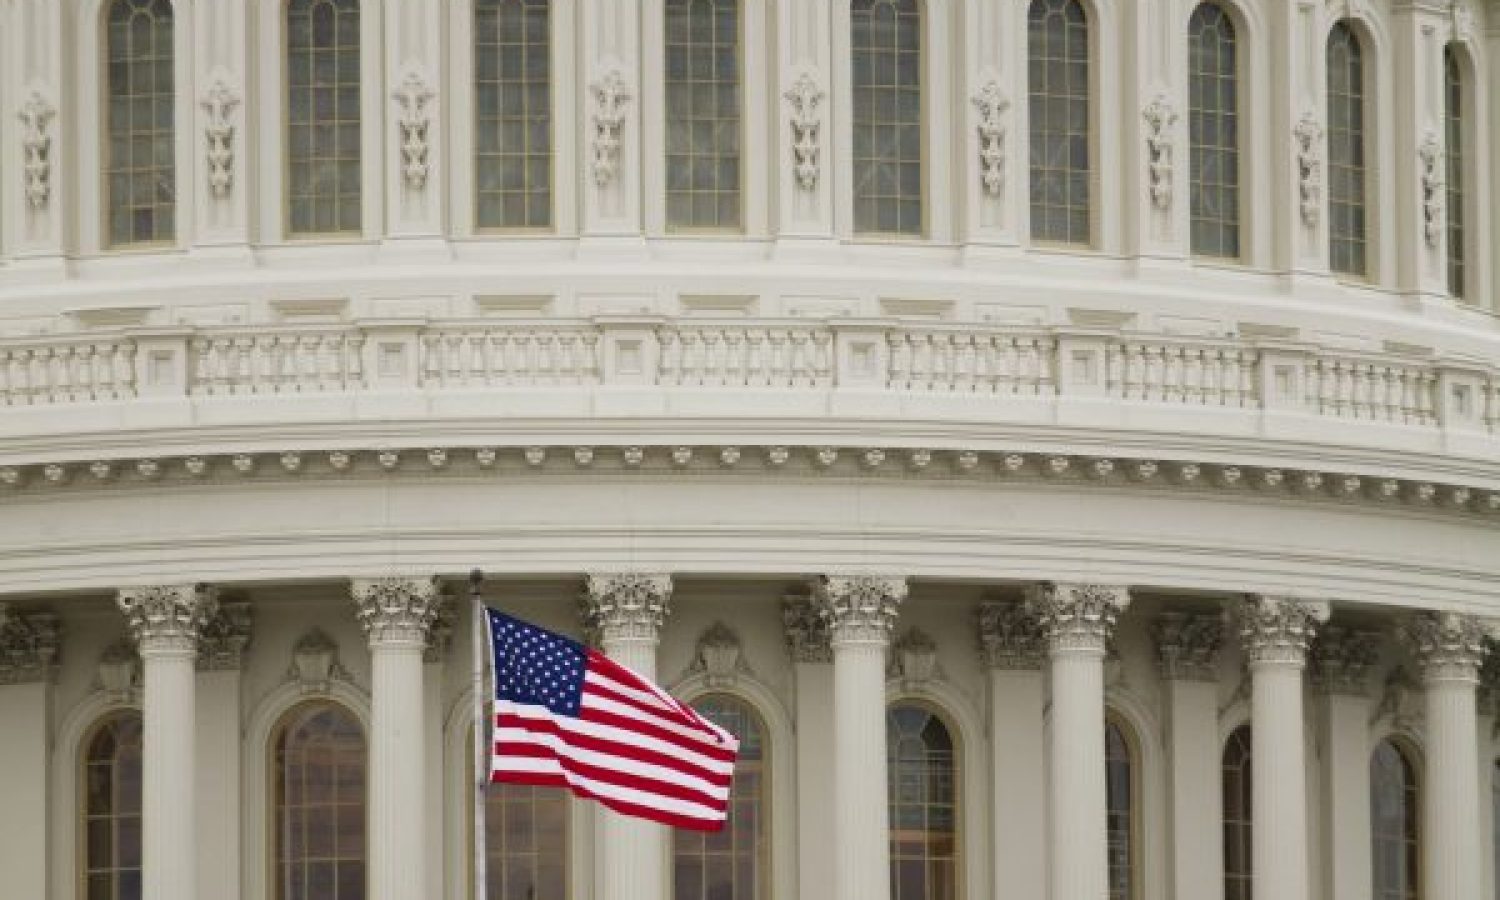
323	133
922	780
730	864
111	826
1237	816
703	114
319	805
1058	97
1453	94
1393	823
140	176
1120	793
1213	132
513	114
1346	152
886	55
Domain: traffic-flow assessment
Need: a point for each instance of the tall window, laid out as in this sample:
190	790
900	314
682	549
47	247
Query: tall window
322	78
1394	810
112	809
318	803
730	864
1237	816
140	173
526	842
1120	790
922	773
1453	111
703	114
1213	130
1347	227
886	49
513	113
1057	81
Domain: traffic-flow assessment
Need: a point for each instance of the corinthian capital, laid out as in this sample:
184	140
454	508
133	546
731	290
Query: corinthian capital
225	636
167	618
859	607
1187	645
1010	636
1278	630
28	646
625	606
1448	646
1077	616
1343	659
807	635
395	610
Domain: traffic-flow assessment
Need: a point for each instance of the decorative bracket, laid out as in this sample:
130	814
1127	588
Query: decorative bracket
412	95
1308	135
1160	116
804	96
992	104
219	100
1430	155
36	115
611	96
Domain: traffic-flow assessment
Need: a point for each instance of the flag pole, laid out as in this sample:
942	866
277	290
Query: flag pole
481	732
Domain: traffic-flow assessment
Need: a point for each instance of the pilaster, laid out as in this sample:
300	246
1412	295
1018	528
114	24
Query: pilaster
220	161
1343	659
415	104
609	86
1154	132
1419	30
1013	652
808	642
1297	30
38	152
803	130
29	644
221	649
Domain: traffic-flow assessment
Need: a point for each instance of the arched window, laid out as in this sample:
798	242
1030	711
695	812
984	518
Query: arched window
886	52
112	809
1120	789
526	840
1237	816
513	114
1453	141
323	117
140	174
1057	83
730	864
1347	228
922	771
1213	131
318	804
703	114
1495	821
1394	810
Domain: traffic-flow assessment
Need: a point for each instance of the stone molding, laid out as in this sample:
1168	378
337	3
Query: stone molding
396	609
859	607
1343	659
167	618
625	606
1448	646
1010	636
1279	630
1188	644
225	636
29	644
1077	617
808	637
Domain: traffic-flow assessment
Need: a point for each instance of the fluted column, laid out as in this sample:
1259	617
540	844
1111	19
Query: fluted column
28	655
396	614
1077	620
1011	647
809	643
221	650
1342	659
1276	632
860	610
624	612
1449	649
166	621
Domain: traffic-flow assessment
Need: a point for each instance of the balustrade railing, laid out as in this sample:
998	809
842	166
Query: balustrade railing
1194	374
293	362
509	357
1379	390
35	373
977	362
796	356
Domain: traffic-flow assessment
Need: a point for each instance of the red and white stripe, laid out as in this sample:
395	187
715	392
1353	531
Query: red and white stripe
633	747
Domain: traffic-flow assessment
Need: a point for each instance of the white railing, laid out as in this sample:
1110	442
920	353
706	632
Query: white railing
293	362
1380	390
1196	374
66	370
978	362
487	356
794	356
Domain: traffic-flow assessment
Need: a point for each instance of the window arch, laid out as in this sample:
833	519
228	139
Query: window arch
323	116
111	810
1061	124
1213	129
922	772
140	173
513	114
1453	142
886	55
1394	811
731	864
1238	871
318	804
703	102
1348	229
1121	789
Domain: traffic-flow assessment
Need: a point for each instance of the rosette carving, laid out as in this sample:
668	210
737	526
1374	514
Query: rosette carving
28	646
1279	629
1187	645
167	617
1010	636
1448	646
625	606
807	634
859	607
1077	616
395	609
1343	659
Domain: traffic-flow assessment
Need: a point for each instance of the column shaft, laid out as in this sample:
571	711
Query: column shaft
1197	799
861	827
1346	788
815	775
169	847
25	710
1450	808
1017	767
1080	866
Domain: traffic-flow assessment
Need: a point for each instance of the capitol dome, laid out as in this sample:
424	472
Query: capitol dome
1018	420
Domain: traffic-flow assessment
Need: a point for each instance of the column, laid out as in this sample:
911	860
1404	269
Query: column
624	612
1343	659
1077	620
165	621
860	609
221	650
809	642
28	650
1012	649
1276	632
1449	648
396	614
1187	654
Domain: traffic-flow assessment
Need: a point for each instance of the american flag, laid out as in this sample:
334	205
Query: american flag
569	716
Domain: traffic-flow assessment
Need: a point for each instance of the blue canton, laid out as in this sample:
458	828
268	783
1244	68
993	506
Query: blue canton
535	666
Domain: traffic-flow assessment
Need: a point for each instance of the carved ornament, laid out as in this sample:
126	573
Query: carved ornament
1448	646
413	94
218	101
611	96
395	609
1187	645
992	104
1010	636
803	97
1279	630
1160	118
225	636
28	646
625	606
859	607
36	114
167	618
1308	135
315	663
1430	159
719	657
1343	659
808	637
1077	617
914	659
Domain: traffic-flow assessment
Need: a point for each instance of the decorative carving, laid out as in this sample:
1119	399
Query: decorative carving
36	115
167	617
1278	630
625	606
992	104
1010	636
1463	21
1308	134
118	672
219	100
1160	116
611	96
225	637
914	659
1077	617
315	663
719	657
395	609
412	94
1343	658
860	607
28	646
1187	645
440	634
1401	701
807	633
1448	646
1430	156
804	96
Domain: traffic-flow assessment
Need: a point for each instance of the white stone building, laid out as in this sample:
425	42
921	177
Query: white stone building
1019	419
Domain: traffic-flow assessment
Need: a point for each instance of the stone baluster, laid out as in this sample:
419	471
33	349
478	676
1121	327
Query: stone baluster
1013	652
1342	660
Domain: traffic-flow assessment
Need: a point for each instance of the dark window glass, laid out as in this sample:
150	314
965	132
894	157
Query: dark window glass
922	775
1237	816
140	174
111	809
703	114
318	805
886	55
513	114
323	127
1057	82
1347	227
1213	131
1394	809
1120	790
730	864
1453	118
